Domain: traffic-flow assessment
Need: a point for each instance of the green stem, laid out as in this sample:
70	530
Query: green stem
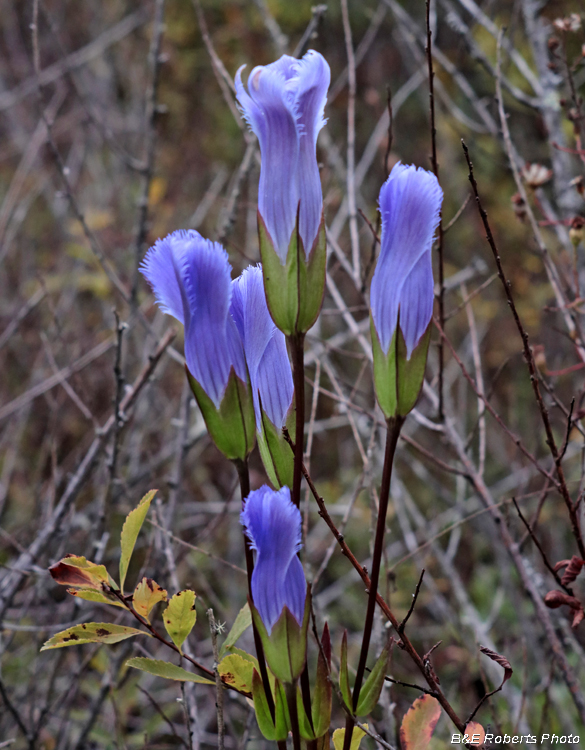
394	425
244	476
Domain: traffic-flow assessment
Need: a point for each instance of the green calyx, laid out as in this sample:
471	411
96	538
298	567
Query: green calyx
276	453
286	646
398	380
232	426
294	290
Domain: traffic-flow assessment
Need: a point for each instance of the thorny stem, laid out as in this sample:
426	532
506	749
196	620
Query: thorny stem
435	166
392	435
244	476
529	358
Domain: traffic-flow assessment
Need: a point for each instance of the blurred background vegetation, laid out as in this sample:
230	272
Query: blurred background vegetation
125	130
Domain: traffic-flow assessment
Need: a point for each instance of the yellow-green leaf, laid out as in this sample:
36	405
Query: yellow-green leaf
237	671
419	723
241	623
179	617
130	531
96	596
167	670
356	738
146	595
91	632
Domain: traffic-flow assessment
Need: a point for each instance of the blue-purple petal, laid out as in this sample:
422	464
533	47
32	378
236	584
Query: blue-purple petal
273	525
284	106
410	204
264	347
190	277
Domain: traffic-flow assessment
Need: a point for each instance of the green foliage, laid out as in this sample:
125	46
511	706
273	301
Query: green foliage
167	670
241	624
236	670
180	616
356	738
372	687
130	531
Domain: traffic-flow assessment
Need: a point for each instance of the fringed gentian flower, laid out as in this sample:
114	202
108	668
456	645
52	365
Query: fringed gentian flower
279	590
269	370
401	294
190	277
284	107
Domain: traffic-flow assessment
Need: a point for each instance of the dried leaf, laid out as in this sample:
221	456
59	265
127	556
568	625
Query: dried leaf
130	531
555	599
180	616
572	570
476	734
577	617
499	659
419	723
146	595
91	632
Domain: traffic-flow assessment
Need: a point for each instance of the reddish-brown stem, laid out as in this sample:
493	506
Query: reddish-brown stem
297	347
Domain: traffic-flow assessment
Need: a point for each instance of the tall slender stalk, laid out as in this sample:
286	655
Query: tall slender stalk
297	347
393	432
291	699
244	476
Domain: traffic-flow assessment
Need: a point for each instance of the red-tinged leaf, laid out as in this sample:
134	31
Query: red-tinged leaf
419	723
578	617
146	595
555	599
81	573
572	570
499	659
561	564
476	734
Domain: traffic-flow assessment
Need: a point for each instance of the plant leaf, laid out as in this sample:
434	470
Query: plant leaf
130	531
96	596
370	692
146	595
166	670
241	624
180	616
76	571
419	723
91	632
343	674
356	738
321	705
476	734
237	671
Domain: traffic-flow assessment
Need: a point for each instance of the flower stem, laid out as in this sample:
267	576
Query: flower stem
297	346
394	425
244	476
291	698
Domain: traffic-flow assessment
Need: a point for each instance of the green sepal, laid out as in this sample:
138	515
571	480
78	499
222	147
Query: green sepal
343	673
276	453
372	687
321	702
398	380
232	426
272	730
294	289
286	646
